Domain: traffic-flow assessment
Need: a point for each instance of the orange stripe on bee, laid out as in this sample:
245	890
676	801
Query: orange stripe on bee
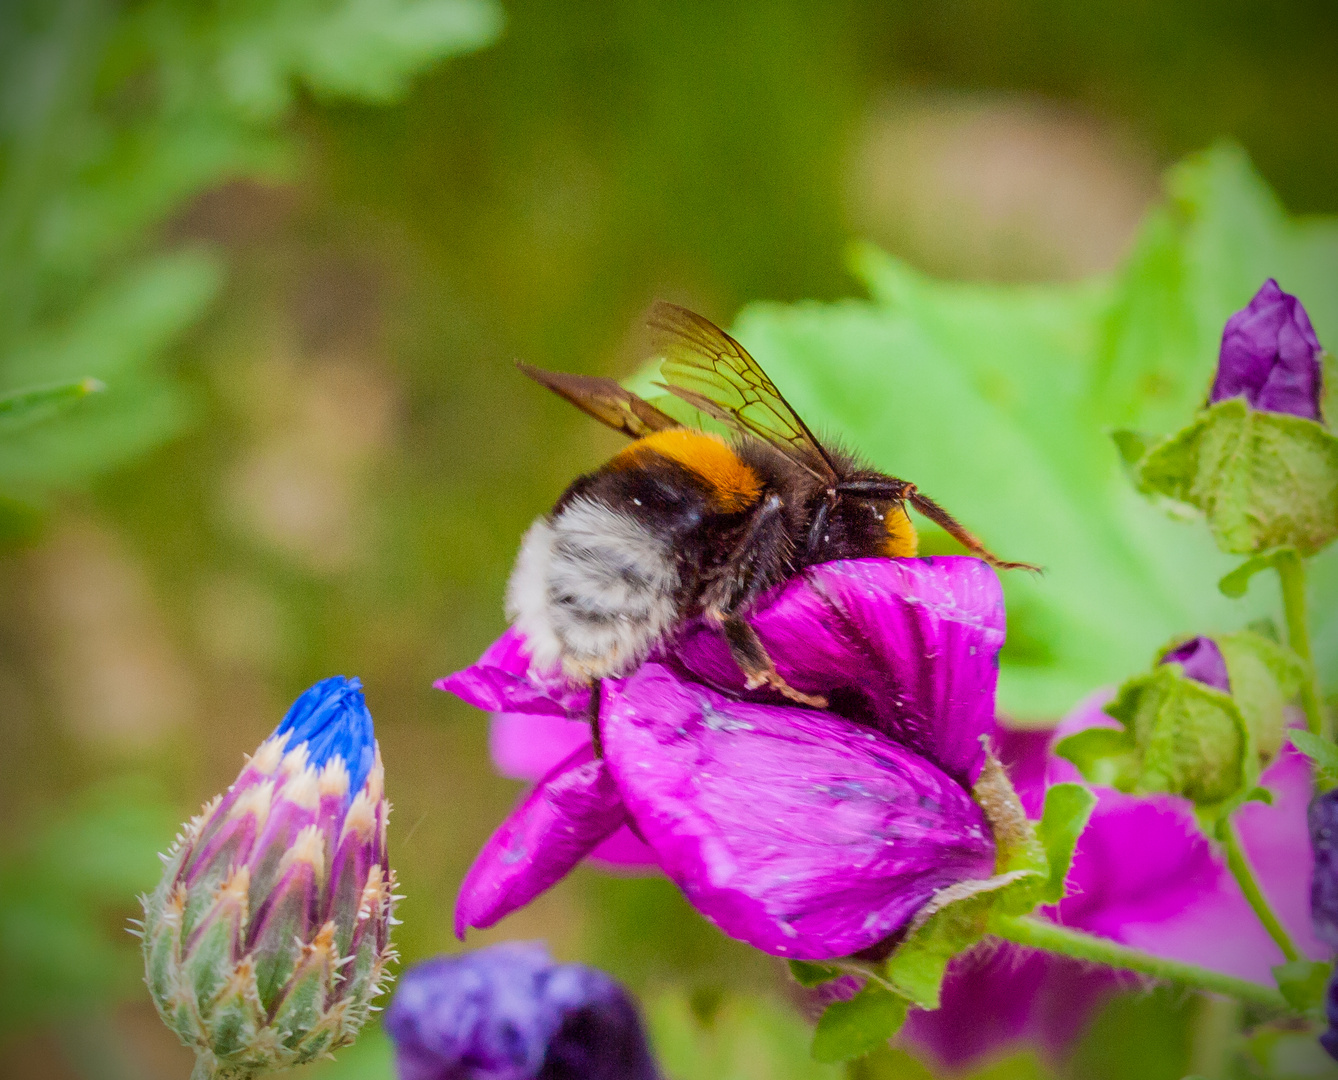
734	485
902	541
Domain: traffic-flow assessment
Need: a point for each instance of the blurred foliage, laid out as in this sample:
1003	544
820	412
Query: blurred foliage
112	116
1005	398
67	891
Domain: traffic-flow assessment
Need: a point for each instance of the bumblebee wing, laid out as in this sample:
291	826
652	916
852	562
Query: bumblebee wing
605	400
707	368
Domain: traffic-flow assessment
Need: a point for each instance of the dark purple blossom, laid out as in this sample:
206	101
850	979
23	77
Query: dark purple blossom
510	1013
807	833
1202	661
1143	874
1323	820
1270	354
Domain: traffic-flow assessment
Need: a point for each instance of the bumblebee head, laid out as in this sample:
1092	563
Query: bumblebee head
861	514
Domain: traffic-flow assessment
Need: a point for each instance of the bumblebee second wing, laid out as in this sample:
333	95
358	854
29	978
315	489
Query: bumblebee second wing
704	364
605	400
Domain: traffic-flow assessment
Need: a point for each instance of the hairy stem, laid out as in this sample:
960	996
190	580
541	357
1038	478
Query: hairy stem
1291	574
1249	885
1039	934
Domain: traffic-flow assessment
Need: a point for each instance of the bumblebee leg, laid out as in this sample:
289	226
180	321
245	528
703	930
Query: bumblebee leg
592	714
751	656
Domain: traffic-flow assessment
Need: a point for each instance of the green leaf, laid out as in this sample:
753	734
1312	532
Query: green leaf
851	1029
995	400
1303	982
1067	810
1264	480
807	973
1320	751
1237	583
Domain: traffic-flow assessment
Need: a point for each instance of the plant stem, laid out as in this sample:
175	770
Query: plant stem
1291	574
1039	934
1249	885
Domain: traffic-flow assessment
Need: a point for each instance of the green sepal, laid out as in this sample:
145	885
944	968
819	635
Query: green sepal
851	1029
301	1003
361	973
209	963
1068	808
235	1016
1237	583
808	974
1303	982
278	948
1263	479
917	967
1322	754
1264	677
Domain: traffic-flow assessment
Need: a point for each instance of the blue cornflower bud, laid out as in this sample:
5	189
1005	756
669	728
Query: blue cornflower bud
1270	355
510	1013
269	935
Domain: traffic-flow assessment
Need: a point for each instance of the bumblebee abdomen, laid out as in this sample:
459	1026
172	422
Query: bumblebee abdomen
593	588
732	483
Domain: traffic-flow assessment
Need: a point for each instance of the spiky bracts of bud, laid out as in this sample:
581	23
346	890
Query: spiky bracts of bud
269	936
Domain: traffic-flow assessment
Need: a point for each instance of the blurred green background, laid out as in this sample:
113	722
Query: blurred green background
301	242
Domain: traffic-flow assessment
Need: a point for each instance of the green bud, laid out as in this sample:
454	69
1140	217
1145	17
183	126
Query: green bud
1262	479
1202	724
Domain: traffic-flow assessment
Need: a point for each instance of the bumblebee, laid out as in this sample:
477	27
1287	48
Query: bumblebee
682	523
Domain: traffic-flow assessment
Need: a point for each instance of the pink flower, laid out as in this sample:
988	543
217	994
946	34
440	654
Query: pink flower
807	833
1144	875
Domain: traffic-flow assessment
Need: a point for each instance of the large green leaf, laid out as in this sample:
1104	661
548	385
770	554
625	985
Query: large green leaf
998	401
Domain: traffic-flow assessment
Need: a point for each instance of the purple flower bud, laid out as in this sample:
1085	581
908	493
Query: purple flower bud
268	937
1201	660
510	1013
1271	355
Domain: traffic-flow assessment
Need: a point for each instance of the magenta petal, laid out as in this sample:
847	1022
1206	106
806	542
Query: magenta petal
1145	875
907	645
625	853
794	830
1277	842
503	681
562	820
994	996
526	746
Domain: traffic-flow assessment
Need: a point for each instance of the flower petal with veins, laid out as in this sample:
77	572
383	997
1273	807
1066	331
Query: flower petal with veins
797	831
